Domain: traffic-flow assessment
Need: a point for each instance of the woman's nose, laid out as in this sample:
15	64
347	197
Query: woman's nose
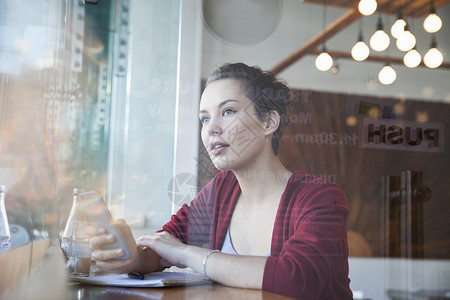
214	128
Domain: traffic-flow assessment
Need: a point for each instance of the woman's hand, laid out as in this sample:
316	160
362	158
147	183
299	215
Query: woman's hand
232	270
171	249
107	259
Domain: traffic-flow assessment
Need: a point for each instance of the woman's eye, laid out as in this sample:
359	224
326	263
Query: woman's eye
204	120
228	111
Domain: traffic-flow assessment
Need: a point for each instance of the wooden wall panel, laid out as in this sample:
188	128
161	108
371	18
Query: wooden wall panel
359	170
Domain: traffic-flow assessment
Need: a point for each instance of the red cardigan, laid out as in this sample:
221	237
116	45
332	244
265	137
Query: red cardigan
309	253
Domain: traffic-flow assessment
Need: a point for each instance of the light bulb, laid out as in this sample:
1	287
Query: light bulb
398	27
432	23
387	75
324	61
360	51
367	7
406	41
433	58
379	41
412	58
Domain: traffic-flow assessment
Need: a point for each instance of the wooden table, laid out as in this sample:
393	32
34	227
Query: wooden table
48	280
206	291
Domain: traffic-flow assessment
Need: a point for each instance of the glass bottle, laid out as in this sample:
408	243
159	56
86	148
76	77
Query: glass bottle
75	242
5	235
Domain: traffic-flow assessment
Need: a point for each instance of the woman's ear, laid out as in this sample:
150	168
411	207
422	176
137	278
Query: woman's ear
272	122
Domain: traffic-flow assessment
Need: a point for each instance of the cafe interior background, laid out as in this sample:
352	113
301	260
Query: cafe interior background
103	95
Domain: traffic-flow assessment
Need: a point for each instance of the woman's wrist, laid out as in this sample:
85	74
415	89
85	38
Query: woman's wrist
186	256
193	257
146	260
137	260
205	261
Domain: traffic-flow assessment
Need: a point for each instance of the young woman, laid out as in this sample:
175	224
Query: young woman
256	224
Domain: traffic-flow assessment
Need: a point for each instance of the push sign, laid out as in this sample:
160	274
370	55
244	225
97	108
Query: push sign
403	135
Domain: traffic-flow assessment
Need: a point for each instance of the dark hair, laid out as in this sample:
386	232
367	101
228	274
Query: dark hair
263	88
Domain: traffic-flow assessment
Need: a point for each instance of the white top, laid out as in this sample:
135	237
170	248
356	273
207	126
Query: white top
227	246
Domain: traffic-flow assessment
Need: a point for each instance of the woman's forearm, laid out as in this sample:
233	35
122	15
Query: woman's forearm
231	270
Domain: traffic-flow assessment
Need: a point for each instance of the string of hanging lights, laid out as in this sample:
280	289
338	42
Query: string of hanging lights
404	38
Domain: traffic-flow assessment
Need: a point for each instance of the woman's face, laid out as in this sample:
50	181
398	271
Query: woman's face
232	133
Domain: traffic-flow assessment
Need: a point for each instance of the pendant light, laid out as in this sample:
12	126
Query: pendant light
324	61
398	27
360	50
412	58
367	7
387	75
432	22
406	40
379	40
433	58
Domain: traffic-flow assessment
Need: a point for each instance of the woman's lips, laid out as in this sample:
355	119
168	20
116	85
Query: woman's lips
218	148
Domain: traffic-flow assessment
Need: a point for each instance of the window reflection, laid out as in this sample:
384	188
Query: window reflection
62	65
54	108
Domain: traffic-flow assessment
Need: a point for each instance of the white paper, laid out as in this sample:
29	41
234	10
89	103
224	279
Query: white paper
155	279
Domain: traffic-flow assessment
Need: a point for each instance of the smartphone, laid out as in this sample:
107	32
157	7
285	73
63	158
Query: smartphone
98	215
